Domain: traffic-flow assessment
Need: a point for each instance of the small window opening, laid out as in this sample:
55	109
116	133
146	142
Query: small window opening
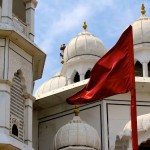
138	69
1	3
87	75
15	130
19	10
76	77
149	69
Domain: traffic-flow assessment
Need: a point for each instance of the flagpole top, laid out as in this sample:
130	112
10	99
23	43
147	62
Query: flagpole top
143	11
84	25
76	110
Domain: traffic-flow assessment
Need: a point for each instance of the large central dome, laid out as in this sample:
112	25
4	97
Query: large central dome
84	44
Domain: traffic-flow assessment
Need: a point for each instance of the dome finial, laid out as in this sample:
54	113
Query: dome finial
76	110
84	25
143	11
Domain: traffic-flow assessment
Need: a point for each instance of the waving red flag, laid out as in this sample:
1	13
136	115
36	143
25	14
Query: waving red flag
113	74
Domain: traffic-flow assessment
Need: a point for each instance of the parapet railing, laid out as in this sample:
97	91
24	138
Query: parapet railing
19	25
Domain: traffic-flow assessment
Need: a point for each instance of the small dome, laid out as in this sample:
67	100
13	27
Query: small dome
143	124
141	30
56	82
77	133
84	44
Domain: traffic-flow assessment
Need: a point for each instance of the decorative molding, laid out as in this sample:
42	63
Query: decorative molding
6	82
29	96
4	91
31	1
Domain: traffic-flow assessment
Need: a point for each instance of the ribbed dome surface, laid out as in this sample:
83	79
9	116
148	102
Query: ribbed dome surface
141	30
143	124
77	133
84	44
56	82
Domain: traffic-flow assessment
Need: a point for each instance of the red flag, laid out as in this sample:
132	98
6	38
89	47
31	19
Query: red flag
113	74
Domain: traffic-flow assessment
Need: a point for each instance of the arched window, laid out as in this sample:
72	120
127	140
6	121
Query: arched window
15	130
87	75
76	77
138	69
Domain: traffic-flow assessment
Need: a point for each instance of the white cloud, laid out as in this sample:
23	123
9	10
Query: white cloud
66	22
57	22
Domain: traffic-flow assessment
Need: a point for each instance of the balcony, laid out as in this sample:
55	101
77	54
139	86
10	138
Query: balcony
19	25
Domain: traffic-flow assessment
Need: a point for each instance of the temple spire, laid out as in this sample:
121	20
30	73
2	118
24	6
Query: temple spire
76	110
143	11
84	25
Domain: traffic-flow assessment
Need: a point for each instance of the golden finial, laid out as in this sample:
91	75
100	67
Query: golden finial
84	25
143	11
76	110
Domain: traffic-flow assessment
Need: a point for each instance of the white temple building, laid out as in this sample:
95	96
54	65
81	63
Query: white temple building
45	121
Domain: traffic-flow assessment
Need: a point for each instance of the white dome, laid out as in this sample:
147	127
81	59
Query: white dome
141	30
143	124
77	133
84	44
56	82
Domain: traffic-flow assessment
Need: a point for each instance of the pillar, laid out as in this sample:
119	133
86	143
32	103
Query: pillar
7	11
28	119
69	81
82	77
145	69
4	107
30	10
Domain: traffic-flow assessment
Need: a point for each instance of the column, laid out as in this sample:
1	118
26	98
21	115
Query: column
30	10
7	11
4	108
69	81
145	69
105	135
28	119
82	77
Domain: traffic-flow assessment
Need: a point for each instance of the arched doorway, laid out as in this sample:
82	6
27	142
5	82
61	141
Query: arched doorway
76	77
145	145
87	75
138	69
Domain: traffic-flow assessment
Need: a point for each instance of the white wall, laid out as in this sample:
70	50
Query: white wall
108	117
49	125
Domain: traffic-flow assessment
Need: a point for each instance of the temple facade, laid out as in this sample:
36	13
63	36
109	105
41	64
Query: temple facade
45	121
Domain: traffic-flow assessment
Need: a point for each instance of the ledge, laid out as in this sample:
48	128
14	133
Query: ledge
9	143
27	45
58	96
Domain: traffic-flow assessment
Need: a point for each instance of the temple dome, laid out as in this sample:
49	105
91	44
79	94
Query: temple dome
56	82
141	30
143	124
84	44
77	133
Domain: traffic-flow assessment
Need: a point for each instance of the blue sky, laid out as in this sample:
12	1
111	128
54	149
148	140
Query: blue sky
57	22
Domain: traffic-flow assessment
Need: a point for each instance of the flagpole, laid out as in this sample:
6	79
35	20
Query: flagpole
134	120
133	110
